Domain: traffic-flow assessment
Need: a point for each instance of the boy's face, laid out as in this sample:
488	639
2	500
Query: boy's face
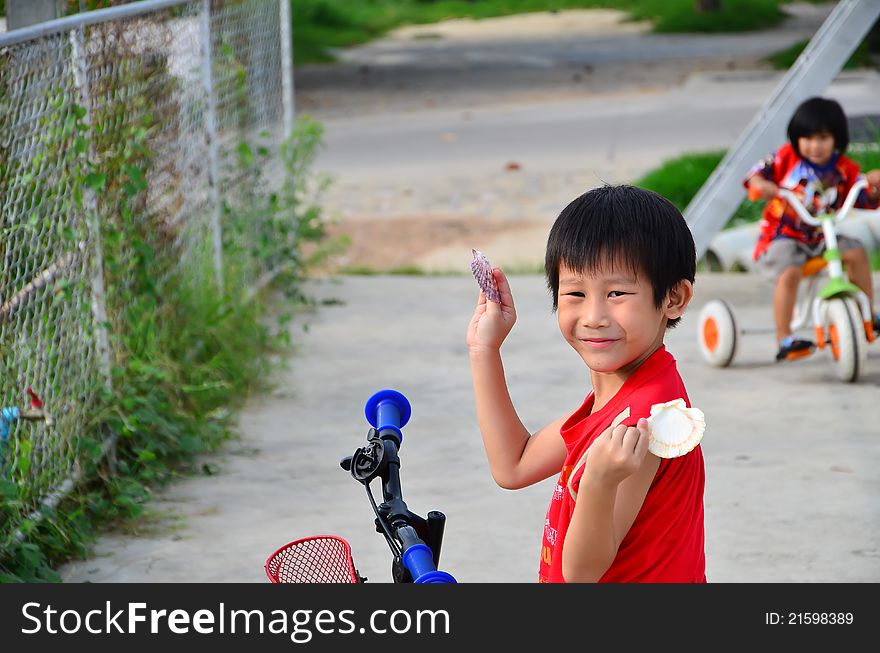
610	318
817	148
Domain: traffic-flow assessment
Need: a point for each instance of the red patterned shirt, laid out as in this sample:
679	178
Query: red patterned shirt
665	543
822	189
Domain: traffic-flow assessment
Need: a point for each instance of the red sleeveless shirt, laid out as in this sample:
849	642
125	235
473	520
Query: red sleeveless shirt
665	543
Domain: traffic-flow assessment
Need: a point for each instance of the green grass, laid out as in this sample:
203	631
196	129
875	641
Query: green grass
402	271
868	157
418	271
681	15
322	24
784	59
679	180
359	271
408	271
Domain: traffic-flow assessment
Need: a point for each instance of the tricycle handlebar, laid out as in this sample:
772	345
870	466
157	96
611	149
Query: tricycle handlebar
795	201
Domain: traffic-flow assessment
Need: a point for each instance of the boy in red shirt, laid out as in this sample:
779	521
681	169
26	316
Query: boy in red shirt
620	264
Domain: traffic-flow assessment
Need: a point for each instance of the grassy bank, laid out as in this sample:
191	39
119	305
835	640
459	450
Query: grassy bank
322	24
784	59
680	178
185	354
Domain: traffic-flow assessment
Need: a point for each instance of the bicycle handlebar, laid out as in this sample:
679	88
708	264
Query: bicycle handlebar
387	411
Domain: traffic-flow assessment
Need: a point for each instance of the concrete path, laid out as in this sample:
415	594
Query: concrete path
792	455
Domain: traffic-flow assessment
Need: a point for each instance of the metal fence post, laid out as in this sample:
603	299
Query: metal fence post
213	164
93	224
99	306
287	86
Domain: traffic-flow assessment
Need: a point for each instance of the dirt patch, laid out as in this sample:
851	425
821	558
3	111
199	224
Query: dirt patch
407	243
525	26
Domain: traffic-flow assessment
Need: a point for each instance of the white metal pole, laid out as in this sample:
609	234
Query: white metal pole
213	164
99	307
287	86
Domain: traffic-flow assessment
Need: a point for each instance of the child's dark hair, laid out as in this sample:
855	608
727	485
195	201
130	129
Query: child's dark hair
818	115
622	225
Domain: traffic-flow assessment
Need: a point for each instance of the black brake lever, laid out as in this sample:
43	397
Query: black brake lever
367	462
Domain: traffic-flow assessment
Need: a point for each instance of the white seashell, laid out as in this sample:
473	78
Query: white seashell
675	428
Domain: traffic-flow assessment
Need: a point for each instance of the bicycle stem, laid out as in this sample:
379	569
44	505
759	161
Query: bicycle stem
393	506
408	527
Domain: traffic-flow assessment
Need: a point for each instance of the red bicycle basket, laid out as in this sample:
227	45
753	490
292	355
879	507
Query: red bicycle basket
317	559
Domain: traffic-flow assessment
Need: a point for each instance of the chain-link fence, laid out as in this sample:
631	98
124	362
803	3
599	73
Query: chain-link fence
171	96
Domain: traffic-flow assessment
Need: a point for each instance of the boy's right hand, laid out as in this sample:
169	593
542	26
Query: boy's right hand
760	188
617	453
491	322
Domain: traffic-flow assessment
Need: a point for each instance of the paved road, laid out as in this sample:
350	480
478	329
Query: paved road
614	138
792	491
463	64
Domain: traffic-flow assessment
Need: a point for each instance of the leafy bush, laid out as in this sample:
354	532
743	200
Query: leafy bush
185	354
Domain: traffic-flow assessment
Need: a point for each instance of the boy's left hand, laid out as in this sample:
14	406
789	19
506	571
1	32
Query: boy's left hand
873	178
617	453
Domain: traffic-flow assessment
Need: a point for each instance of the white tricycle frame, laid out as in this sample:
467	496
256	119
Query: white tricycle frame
839	310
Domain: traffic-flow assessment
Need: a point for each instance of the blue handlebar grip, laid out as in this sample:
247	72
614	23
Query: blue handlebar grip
388	409
419	561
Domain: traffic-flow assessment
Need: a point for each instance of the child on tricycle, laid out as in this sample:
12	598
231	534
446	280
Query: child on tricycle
812	165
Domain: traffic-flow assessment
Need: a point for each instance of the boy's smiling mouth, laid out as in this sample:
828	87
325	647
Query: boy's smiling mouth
598	343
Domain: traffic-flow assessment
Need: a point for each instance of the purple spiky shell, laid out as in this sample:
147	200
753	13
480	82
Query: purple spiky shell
482	270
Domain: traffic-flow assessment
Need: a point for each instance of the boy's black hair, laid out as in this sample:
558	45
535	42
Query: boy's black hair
622	226
819	115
